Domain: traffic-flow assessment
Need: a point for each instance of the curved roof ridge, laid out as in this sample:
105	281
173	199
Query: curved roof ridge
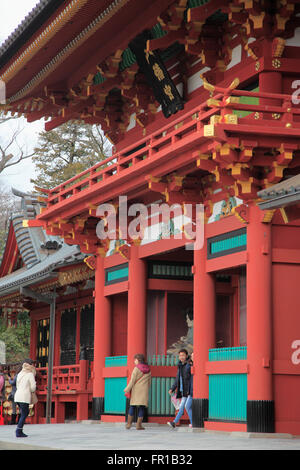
31	23
24	241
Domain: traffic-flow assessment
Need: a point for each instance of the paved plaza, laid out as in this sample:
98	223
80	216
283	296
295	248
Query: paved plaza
114	437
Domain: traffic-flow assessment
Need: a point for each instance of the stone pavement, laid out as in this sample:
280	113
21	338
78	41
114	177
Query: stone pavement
93	435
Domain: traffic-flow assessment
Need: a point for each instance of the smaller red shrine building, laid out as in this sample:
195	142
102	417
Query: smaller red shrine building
45	264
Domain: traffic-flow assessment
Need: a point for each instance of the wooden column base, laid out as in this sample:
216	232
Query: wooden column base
97	407
200	412
260	416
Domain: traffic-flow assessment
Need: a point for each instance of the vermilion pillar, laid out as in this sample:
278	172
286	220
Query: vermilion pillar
102	337
270	82
137	291
204	333
260	405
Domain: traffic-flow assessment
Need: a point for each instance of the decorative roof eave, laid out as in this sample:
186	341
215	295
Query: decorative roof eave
48	92
45	272
73	275
58	23
31	23
46	35
35	97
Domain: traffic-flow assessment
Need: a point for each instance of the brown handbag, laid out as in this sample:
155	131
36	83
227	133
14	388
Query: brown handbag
34	398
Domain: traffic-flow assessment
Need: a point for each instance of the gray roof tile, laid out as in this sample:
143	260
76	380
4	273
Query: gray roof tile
288	186
285	193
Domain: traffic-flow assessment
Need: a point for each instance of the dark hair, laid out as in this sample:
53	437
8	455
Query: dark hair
190	313
184	351
140	358
28	361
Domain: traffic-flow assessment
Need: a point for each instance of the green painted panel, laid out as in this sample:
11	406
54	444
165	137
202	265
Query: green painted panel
157	31
159	398
115	400
98	79
247	100
115	361
227	354
229	243
162	360
116	274
228	397
128	59
170	270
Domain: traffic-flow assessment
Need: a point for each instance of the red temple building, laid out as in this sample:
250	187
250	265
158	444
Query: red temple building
200	101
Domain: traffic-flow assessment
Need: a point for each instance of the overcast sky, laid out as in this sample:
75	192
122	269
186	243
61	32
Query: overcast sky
12	12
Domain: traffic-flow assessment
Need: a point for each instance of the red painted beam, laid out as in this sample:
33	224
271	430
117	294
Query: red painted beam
156	371
226	367
169	284
227	261
116	288
113	372
68	113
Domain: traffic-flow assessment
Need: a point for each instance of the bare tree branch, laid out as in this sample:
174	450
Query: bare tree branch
11	153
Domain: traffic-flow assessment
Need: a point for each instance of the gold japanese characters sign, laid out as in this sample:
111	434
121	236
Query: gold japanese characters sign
157	75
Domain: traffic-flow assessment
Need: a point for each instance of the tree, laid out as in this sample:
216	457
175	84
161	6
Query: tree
8	204
66	151
16	339
11	153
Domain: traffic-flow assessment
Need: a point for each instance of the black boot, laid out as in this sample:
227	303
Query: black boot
19	433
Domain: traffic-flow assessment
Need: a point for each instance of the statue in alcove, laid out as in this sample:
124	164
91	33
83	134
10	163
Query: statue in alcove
187	341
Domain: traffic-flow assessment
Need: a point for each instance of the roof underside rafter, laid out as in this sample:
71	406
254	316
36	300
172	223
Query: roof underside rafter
48	77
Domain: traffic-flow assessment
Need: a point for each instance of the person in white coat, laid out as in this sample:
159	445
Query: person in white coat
26	385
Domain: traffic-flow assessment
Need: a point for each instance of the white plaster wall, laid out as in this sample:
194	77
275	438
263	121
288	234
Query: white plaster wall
295	40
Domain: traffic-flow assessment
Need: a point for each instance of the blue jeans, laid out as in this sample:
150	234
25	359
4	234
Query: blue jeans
141	410
24	408
186	402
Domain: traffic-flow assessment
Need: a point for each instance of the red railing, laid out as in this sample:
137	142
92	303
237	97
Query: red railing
220	104
128	157
68	378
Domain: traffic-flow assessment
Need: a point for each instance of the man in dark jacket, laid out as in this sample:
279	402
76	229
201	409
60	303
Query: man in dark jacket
182	385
